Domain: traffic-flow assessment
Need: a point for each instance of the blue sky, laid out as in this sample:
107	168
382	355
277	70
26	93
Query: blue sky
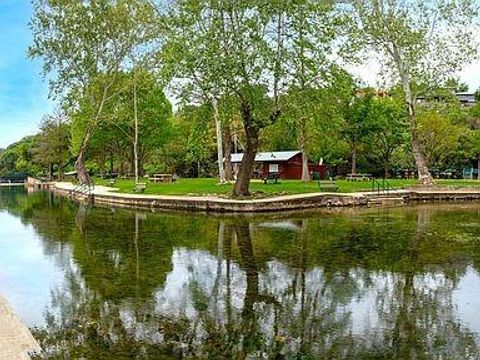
23	94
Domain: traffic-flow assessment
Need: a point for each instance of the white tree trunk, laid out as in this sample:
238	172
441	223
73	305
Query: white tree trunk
218	126
354	160
424	175
305	172
135	140
303	144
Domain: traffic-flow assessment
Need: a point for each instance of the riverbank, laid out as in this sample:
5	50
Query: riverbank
109	196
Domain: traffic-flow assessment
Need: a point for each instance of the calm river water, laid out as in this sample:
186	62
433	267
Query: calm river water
100	283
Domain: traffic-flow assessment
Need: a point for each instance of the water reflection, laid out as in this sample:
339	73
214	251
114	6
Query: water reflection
370	284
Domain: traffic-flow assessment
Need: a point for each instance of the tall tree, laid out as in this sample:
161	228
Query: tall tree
191	56
390	132
140	94
245	47
53	145
422	44
358	124
309	28
83	44
438	136
20	157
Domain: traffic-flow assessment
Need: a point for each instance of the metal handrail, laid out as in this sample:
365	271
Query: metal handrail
386	186
383	186
84	189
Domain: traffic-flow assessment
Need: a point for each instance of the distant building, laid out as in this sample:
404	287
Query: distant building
288	164
464	98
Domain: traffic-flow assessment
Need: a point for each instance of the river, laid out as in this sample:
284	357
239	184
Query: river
106	283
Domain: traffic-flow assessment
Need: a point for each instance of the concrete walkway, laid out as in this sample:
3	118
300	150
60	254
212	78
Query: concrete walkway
109	196
16	341
111	191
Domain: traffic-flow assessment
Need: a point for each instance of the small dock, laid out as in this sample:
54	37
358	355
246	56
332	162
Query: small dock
16	340
12	185
34	183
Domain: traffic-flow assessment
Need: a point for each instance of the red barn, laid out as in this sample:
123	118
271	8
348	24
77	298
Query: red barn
288	164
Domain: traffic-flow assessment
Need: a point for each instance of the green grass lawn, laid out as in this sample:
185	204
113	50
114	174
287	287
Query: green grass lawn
204	186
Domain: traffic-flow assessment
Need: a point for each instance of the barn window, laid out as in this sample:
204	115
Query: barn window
273	168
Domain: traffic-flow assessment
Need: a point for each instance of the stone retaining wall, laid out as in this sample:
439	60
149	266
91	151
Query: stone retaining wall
443	196
212	204
275	204
225	205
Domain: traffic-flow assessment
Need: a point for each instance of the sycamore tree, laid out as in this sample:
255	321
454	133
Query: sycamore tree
83	45
193	35
310	30
421	45
231	126
240	54
152	110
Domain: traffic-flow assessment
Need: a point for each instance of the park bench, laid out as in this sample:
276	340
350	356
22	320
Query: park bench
327	185
163	178
111	182
140	187
128	176
272	177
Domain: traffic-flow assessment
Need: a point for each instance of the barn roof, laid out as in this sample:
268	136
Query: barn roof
268	156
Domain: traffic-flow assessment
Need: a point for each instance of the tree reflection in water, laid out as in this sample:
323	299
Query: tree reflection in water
369	286
418	312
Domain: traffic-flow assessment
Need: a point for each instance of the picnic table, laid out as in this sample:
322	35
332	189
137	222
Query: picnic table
163	178
273	177
358	177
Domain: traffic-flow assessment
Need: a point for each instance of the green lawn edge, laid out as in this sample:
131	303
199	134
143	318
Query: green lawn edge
211	187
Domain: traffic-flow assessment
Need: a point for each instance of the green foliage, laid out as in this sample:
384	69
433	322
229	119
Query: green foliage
53	147
438	136
83	46
198	140
389	132
358	118
117	131
78	41
270	68
20	157
427	42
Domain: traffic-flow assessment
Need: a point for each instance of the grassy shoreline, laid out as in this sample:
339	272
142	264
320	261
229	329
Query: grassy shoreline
209	186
